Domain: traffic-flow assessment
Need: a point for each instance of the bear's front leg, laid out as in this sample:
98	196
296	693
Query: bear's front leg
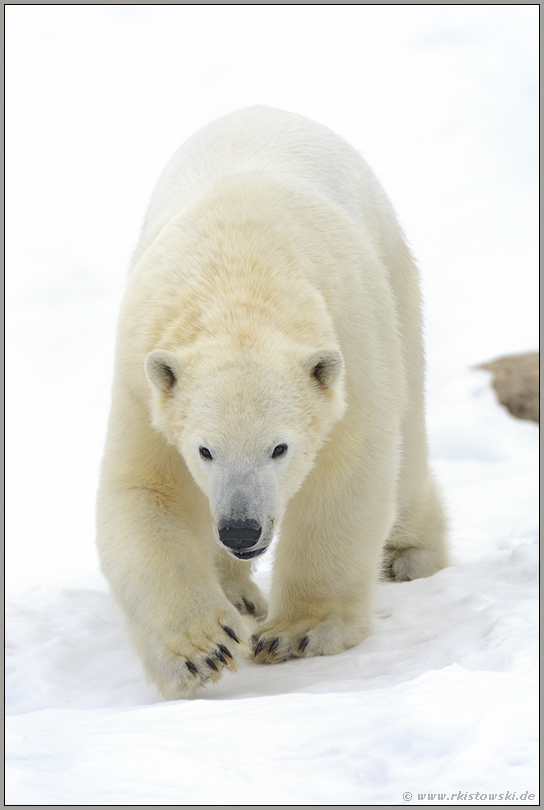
326	568
161	570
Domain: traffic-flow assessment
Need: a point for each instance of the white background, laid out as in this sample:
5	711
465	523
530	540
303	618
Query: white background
442	102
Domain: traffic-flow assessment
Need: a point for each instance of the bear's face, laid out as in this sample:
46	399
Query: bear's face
248	429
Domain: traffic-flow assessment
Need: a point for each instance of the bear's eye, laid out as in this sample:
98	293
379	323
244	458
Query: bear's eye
279	450
205	453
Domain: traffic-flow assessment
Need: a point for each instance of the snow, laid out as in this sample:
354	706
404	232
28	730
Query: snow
442	697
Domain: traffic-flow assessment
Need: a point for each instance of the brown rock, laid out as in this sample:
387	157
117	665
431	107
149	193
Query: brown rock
516	381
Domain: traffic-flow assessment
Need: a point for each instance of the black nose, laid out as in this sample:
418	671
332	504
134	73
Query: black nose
237	534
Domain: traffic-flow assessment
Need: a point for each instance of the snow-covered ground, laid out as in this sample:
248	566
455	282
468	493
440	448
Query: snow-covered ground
442	697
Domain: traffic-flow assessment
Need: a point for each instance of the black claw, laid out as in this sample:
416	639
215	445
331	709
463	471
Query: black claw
191	667
304	643
224	650
274	646
221	658
211	664
250	606
230	632
259	647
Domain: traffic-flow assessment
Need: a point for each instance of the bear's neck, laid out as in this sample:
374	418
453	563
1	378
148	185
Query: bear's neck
245	269
247	295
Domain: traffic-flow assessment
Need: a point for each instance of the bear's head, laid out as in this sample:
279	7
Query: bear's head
249	425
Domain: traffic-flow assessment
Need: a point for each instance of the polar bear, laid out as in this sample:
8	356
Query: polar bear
269	370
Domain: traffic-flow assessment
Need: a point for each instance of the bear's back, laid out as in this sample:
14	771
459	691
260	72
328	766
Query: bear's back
276	143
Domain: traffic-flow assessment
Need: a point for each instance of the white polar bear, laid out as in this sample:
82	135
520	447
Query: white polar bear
269	369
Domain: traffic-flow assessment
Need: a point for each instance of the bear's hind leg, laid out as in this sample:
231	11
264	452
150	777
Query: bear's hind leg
240	590
417	545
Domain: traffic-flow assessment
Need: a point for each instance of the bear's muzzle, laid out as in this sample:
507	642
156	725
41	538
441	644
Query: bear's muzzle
239	535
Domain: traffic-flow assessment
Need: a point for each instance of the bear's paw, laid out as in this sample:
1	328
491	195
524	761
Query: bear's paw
277	641
246	598
190	659
405	564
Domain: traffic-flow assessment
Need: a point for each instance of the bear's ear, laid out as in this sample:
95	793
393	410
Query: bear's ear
325	366
163	370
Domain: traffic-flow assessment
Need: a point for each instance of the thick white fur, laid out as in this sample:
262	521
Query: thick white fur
268	245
